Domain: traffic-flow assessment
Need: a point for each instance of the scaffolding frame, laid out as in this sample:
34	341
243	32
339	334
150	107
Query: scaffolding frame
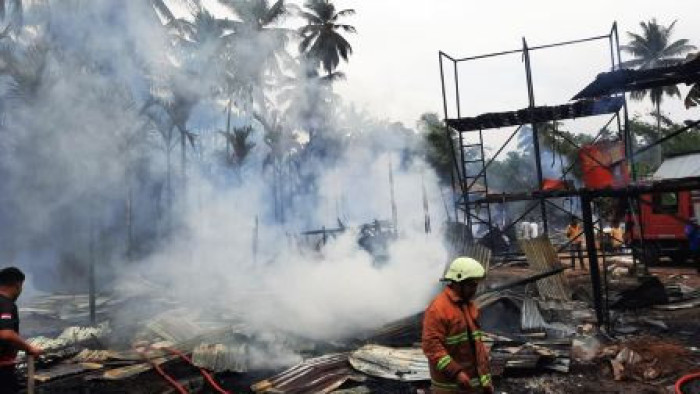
470	196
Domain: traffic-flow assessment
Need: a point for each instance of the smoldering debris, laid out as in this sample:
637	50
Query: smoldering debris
535	346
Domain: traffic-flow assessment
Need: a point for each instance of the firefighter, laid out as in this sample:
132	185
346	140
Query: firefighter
452	339
11	281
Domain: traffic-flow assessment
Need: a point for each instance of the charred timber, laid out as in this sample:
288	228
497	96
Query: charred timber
671	185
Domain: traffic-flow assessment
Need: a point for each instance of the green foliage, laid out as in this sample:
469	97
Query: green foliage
436	146
647	134
514	173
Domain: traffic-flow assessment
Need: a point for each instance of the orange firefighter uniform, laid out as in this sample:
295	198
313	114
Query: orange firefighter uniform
452	341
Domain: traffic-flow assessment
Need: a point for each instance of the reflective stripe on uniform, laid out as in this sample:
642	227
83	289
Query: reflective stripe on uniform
477	335
445	386
443	362
474	382
459	338
485	379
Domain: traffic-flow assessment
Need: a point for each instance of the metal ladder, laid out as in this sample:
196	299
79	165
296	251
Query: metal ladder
473	177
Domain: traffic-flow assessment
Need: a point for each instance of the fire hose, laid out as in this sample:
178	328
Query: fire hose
685	379
177	386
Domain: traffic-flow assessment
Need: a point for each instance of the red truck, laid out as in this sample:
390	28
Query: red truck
664	216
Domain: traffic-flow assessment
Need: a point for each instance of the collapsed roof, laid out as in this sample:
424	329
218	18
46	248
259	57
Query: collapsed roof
578	109
625	80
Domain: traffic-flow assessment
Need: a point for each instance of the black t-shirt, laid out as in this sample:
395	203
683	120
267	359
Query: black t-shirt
9	320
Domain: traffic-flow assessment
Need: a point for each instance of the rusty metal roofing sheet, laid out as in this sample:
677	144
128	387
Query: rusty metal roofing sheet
542	257
221	357
317	375
405	364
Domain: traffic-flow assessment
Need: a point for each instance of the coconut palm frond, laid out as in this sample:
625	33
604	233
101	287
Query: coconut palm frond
320	39
693	97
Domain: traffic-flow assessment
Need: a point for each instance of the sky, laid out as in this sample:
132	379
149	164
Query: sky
394	71
394	74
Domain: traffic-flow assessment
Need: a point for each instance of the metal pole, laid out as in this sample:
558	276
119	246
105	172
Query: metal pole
535	136
465	192
255	240
628	138
31	372
588	228
459	108
627	133
91	274
449	140
442	83
486	186
426	208
394	213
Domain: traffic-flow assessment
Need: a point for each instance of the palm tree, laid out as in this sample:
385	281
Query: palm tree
199	44
283	146
306	95
26	69
321	40
654	48
238	145
11	17
256	46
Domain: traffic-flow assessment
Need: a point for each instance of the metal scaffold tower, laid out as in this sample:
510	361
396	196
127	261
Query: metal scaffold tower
604	97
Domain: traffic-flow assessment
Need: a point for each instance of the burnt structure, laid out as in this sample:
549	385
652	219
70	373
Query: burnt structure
605	96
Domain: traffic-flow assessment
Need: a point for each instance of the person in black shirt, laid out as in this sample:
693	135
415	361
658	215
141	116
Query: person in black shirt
11	281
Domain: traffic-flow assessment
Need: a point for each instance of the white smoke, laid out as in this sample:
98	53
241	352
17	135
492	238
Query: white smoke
80	145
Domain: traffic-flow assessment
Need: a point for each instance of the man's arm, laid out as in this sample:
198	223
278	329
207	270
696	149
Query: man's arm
434	334
15	340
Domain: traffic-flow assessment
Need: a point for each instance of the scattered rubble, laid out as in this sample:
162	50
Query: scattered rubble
542	337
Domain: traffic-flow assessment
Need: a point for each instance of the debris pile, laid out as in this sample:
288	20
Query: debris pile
535	320
647	359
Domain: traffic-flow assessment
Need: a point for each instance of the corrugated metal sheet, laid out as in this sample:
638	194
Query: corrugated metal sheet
542	257
531	318
175	326
63	370
71	336
405	364
221	357
402	332
679	167
317	375
94	356
554	355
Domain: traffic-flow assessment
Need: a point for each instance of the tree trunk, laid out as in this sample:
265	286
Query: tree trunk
228	132
129	219
168	183
658	151
183	157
